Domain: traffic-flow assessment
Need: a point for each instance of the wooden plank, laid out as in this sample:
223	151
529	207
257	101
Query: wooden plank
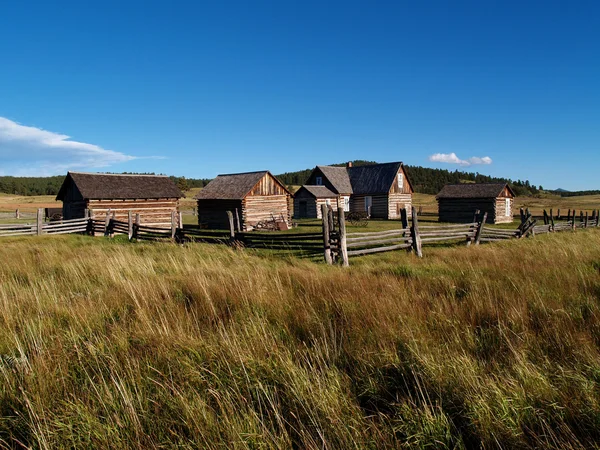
377	236
373	243
442	238
377	233
368	251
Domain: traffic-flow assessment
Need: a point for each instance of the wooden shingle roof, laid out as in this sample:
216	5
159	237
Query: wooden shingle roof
318	191
234	186
338	177
99	186
374	178
473	190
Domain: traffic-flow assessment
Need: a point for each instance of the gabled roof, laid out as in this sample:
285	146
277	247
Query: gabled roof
374	178
338	177
473	190
97	186
233	186
318	191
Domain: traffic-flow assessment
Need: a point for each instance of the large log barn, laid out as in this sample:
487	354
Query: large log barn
458	202
253	197
153	197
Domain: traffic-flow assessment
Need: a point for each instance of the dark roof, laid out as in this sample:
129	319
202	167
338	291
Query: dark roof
338	177
233	186
318	191
97	186
373	179
473	190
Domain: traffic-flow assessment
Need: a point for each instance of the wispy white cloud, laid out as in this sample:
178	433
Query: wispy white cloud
452	158
26	150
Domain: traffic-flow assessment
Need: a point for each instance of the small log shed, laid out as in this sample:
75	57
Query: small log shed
457	203
252	196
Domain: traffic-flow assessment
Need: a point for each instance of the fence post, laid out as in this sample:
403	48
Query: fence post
181	220
343	248
330	218
237	218
17	214
106	223
173	224
404	218
573	220
90	225
414	231
558	214
522	216
552	219
129	225
477	212
586	220
231	227
546	221
40	221
326	231
480	226
136	227
597	217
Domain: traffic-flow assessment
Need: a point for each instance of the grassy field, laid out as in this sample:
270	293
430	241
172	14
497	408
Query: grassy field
107	344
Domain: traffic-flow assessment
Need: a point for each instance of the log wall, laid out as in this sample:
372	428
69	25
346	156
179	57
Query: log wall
501	216
154	212
462	210
398	201
265	207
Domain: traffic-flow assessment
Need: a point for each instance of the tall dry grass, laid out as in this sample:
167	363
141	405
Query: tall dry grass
116	345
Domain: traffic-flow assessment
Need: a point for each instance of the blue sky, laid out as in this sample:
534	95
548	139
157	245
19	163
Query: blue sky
196	88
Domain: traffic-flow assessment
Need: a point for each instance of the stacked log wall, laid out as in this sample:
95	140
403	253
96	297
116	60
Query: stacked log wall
398	201
501	216
257	208
154	212
458	210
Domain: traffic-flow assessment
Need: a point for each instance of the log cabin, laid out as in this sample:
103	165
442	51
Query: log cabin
153	197
458	202
380	190
252	196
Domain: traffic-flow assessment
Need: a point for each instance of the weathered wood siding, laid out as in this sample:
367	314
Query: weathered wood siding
256	208
500	210
74	205
462	210
405	189
153	212
379	205
213	213
398	201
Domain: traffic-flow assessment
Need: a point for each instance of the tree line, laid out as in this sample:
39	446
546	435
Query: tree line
424	180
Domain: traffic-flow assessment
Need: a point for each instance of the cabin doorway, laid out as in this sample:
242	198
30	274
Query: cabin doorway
303	209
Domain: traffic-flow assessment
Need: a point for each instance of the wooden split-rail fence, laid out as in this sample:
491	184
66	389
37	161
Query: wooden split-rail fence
333	242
